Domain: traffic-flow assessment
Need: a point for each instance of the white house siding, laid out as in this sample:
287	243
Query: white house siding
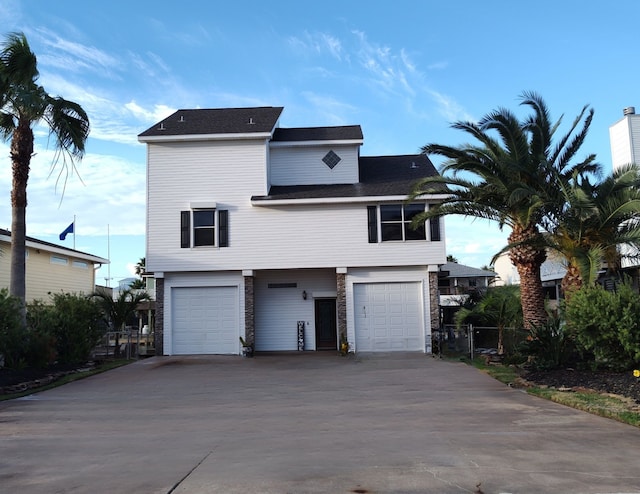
318	236
397	288
304	165
226	315
179	174
624	137
279	309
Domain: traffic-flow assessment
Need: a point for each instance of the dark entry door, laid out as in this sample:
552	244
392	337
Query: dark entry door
326	334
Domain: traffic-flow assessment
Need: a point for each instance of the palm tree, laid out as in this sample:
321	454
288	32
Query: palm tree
118	310
600	223
23	103
511	177
141	266
499	306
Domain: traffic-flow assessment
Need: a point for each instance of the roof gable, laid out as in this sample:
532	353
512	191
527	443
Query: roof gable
216	121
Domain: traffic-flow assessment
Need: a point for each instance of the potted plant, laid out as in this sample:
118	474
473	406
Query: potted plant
247	348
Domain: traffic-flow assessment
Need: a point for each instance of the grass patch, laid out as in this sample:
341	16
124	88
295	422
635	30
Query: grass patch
601	404
75	376
604	405
504	374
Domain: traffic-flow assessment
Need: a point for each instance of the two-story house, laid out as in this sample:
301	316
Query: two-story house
286	237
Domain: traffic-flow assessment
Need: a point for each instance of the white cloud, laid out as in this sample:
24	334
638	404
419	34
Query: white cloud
318	43
448	107
72	56
111	191
331	110
438	65
153	66
155	114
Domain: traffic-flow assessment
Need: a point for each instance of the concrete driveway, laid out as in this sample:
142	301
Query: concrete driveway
307	423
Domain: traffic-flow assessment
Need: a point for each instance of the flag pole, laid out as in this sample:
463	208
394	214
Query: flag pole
75	227
109	259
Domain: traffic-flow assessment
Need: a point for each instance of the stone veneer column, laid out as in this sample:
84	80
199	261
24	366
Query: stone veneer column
341	303
433	301
249	312
158	329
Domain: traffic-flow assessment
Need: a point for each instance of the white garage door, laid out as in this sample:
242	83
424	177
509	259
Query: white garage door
388	317
205	320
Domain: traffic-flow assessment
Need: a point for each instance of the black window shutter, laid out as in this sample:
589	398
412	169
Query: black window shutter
185	229
223	227
434	225
372	217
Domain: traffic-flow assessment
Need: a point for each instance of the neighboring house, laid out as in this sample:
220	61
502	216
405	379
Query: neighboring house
456	283
286	237
50	268
552	271
624	139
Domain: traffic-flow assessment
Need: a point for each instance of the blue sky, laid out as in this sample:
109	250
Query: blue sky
403	70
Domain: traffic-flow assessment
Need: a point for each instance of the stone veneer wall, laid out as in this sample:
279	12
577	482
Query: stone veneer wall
341	302
249	311
434	302
158	336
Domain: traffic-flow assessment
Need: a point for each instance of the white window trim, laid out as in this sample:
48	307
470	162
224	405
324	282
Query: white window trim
216	224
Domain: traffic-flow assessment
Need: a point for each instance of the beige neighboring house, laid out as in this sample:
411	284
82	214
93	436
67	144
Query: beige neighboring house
50	268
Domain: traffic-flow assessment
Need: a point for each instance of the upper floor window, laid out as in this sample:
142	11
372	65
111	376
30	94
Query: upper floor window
59	260
393	222
204	227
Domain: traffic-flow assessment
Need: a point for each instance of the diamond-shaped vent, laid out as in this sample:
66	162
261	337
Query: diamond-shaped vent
331	159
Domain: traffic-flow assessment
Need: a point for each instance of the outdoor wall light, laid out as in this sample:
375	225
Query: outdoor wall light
304	295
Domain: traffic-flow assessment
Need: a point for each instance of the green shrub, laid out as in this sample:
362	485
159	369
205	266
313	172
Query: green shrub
607	324
13	337
42	343
550	344
74	322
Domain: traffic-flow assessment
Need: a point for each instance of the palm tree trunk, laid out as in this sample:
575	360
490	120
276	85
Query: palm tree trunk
572	281
528	259
21	151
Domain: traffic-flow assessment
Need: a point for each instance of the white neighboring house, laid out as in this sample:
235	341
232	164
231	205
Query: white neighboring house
50	268
286	237
624	140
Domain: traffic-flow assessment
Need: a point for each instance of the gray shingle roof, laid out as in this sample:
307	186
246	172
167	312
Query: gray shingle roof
379	176
455	270
216	121
347	132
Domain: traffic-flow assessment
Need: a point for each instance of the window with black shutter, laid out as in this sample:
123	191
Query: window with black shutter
204	228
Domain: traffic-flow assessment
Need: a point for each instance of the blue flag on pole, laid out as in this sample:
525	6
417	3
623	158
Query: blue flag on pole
66	231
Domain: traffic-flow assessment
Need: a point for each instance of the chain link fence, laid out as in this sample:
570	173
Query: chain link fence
471	341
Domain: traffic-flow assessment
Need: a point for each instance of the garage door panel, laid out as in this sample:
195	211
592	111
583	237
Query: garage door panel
389	317
205	320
